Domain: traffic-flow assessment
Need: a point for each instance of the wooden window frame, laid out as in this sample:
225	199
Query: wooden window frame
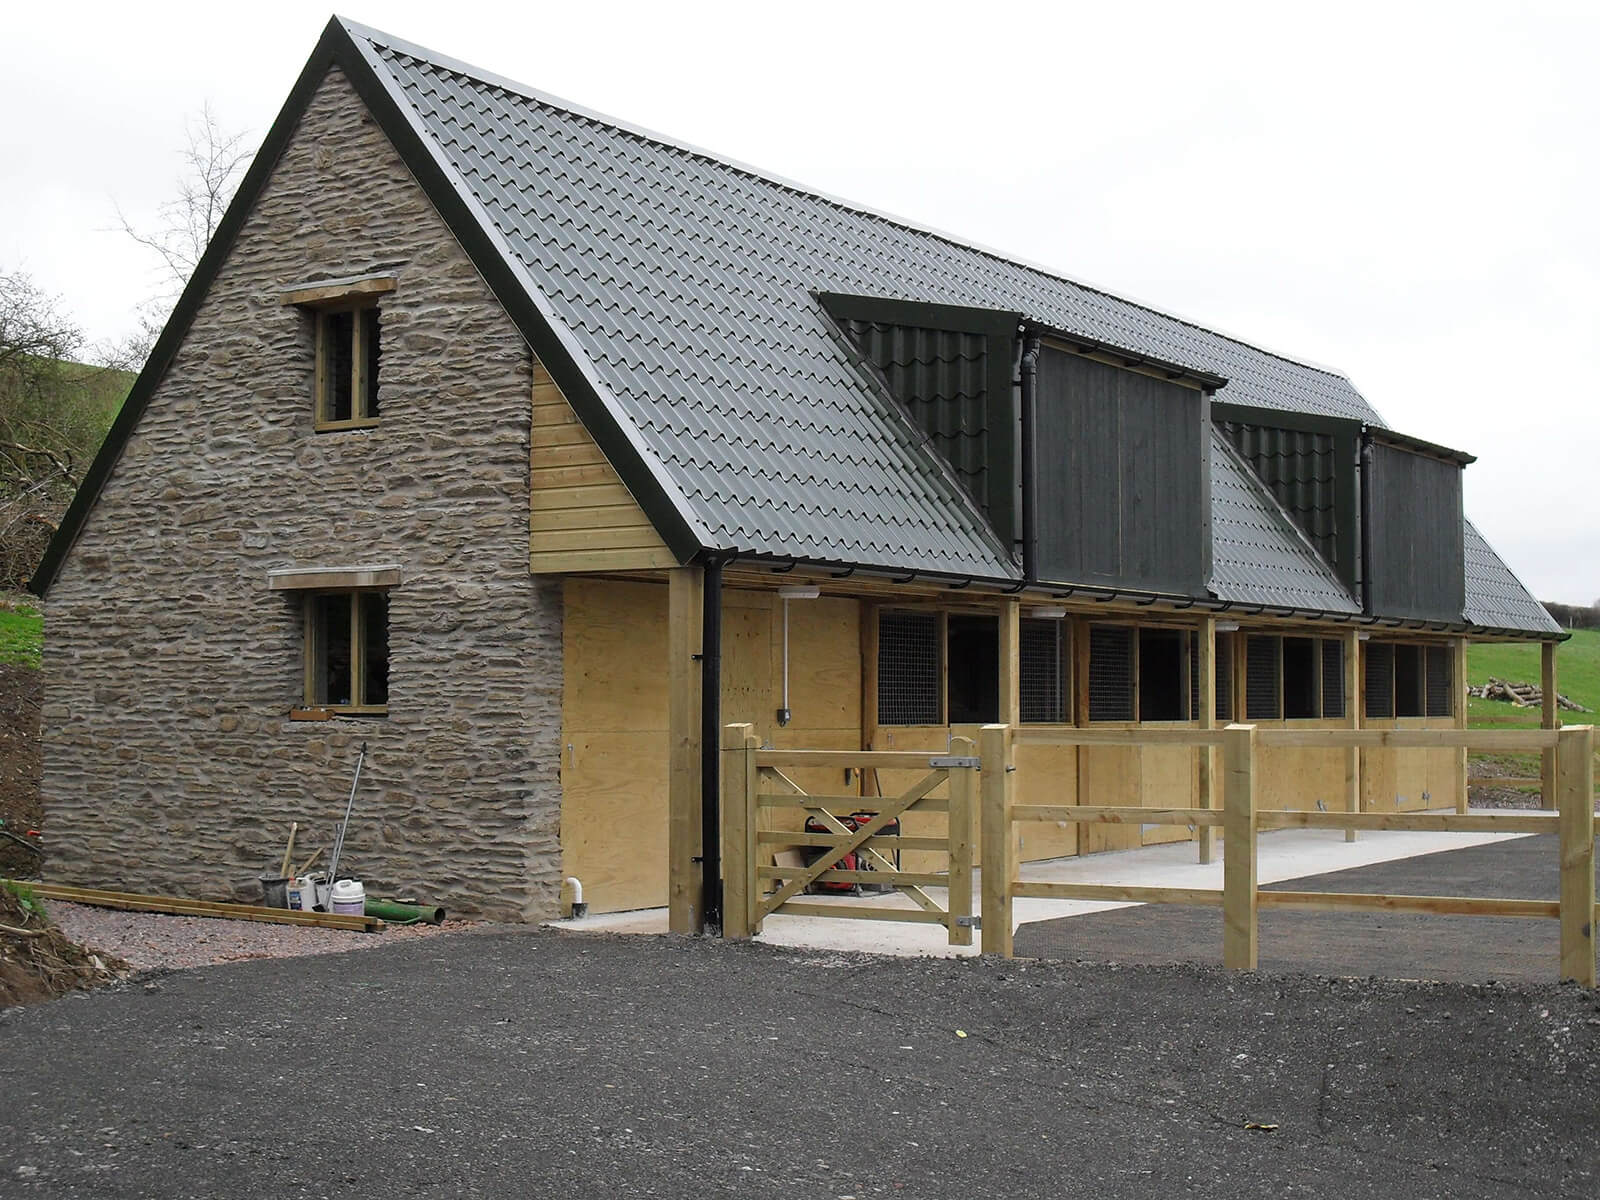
360	399
358	651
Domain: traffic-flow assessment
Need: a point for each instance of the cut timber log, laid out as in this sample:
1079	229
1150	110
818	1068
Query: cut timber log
178	906
1523	695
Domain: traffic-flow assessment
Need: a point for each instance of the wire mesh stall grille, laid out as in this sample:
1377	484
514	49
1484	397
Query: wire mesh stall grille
1332	677
1441	682
1379	691
1041	675
1194	674
909	669
1110	673
1262	678
1224	709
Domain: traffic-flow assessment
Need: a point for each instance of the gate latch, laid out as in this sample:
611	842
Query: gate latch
955	761
970	922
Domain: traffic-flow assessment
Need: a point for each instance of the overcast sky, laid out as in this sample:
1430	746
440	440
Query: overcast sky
1406	193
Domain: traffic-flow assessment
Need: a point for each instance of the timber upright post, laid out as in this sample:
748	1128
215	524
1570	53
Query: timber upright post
1575	792
999	860
1354	704
1206	835
739	744
1239	849
963	799
1549	718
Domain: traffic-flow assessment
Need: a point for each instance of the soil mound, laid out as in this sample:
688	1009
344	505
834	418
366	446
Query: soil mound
37	962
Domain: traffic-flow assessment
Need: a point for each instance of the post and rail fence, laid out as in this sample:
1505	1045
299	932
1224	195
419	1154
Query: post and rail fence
1242	817
760	879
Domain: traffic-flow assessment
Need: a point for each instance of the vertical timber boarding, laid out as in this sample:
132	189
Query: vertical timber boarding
1550	718
685	597
1205	835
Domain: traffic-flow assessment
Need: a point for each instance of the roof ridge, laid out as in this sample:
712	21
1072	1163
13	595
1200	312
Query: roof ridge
550	100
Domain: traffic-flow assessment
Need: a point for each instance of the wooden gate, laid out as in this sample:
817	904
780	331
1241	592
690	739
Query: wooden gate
761	875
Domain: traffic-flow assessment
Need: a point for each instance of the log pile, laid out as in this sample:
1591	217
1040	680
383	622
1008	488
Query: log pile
1523	695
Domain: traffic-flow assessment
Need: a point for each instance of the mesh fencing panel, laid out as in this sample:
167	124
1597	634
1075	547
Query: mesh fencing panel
908	669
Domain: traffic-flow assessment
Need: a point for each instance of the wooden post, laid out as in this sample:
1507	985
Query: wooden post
1575	789
999	862
1239	849
963	800
869	692
739	744
1459	676
685	903
1206	645
1550	718
1354	704
1010	662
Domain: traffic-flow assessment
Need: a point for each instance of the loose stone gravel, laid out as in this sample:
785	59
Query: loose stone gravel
160	941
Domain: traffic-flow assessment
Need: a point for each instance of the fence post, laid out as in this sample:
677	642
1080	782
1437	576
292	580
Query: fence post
1575	798
999	862
963	797
738	858
1239	848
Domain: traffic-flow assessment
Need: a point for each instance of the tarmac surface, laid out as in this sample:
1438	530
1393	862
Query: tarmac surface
516	1063
1393	945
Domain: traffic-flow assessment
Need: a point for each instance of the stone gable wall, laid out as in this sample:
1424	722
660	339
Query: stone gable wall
170	764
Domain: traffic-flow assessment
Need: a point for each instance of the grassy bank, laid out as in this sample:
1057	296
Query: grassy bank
21	633
1577	678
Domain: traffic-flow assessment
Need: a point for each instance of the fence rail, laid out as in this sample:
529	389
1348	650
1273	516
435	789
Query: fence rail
1242	819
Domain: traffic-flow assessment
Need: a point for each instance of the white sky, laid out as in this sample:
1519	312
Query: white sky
1404	192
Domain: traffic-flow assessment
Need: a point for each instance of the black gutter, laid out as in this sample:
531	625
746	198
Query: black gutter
711	748
1030	455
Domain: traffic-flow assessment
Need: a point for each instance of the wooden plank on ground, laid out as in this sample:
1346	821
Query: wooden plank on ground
179	906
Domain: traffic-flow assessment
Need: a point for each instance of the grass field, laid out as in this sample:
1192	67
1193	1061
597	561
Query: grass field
1577	678
21	633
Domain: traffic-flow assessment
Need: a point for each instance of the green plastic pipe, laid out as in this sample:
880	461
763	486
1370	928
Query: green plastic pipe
405	914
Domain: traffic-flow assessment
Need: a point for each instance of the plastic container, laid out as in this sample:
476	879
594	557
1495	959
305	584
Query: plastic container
307	892
348	897
274	891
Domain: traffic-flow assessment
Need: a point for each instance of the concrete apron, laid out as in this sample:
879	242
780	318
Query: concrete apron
1280	855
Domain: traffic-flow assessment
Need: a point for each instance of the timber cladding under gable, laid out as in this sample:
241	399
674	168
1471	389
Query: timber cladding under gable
169	665
581	516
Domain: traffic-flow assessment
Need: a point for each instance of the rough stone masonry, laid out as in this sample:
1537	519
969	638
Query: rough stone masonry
170	668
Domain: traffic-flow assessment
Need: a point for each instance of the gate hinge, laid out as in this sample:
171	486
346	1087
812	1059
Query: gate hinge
970	922
955	761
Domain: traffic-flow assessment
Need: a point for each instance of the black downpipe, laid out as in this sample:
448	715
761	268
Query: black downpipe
1030	456
711	748
1364	484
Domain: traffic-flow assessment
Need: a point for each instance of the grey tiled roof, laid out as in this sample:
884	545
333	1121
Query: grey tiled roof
1257	554
1496	598
686	286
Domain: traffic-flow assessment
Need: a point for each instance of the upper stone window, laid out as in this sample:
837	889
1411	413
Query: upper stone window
348	346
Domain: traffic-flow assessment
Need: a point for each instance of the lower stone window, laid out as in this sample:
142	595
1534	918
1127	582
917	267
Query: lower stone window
347	651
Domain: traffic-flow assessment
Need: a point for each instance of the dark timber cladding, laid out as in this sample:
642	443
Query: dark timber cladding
951	367
1416	556
1123	489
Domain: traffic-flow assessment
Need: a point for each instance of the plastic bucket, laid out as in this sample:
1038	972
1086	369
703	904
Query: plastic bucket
306	892
274	891
348	897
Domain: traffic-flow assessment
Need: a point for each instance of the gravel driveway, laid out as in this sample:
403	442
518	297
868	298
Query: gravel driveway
152	941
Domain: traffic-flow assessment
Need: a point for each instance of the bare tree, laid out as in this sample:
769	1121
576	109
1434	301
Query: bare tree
54	412
214	162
